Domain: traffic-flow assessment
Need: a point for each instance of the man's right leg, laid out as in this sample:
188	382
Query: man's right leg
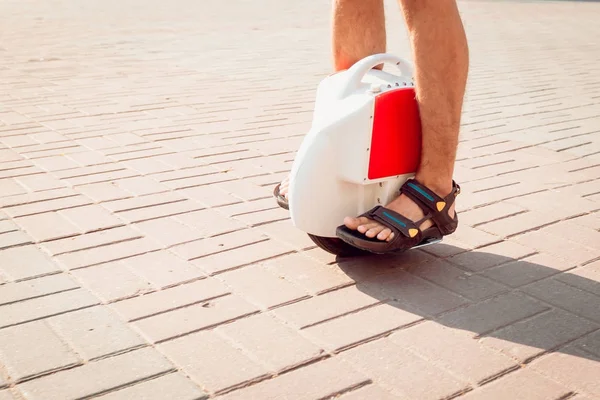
441	57
358	31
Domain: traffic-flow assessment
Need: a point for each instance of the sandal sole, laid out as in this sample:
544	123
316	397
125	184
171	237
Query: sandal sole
373	246
281	201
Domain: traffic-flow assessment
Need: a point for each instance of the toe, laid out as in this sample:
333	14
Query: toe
366	227
354	223
371	233
384	234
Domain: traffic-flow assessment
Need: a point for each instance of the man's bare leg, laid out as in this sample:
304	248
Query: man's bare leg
358	31
441	59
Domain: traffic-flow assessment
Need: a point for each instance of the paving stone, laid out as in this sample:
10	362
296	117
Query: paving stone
528	270
489	213
406	374
7	395
313	276
369	392
112	281
265	217
412	293
38	197
42	307
40	182
590	343
163	269
56	163
89	158
210	222
473	287
491	256
522	384
262	287
284	231
13	239
47	206
29	289
579	397
25	262
141	186
358	327
218	244
108	374
559	202
8	226
586	278
91	218
210	196
139	202
170	299
95	332
519	223
589	220
571	368
588	237
47	226
321	380
566	297
365	269
207	358
324	307
91	240
105	254
169	231
492	314
448	248
555	245
32	349
244	190
103	191
159	211
453	350
246	207
542	333
473	237
270	341
194	318
110	174
10	187
175	386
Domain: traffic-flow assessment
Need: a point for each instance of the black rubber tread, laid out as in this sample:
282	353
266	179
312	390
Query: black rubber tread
337	246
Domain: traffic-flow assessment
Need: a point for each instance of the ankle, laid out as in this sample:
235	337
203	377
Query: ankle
441	187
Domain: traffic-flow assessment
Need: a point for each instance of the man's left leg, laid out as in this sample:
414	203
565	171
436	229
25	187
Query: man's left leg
358	31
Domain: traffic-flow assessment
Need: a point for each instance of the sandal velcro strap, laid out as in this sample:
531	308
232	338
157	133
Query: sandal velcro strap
434	207
423	196
396	222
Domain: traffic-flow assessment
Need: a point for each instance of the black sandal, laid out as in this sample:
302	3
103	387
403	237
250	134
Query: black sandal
281	200
407	234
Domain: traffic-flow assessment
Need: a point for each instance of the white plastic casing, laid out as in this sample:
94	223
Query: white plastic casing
329	175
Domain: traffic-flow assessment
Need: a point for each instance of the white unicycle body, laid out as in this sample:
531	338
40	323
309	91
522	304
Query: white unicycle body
364	143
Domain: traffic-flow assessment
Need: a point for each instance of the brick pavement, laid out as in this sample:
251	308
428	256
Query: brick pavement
143	257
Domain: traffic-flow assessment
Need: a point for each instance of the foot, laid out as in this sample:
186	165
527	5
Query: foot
402	205
285	187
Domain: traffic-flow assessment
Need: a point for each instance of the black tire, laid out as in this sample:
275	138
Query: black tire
337	246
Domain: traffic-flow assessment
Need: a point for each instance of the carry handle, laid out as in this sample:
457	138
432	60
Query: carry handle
358	70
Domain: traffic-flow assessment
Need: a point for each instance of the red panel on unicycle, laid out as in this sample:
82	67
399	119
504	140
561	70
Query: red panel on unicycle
396	136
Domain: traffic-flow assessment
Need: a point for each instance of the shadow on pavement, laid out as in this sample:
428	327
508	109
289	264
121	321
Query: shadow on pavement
516	306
